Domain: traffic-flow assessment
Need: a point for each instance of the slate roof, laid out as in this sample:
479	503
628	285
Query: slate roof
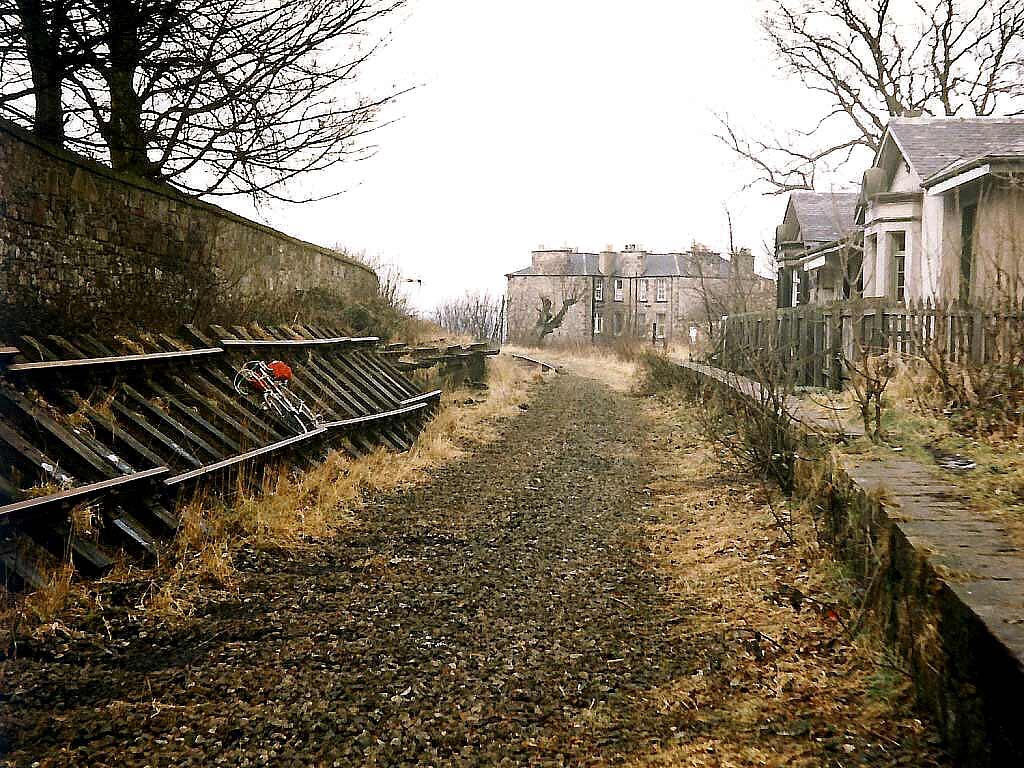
823	216
679	264
655	265
663	264
579	264
931	144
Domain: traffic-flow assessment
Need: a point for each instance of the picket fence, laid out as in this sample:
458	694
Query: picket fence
813	344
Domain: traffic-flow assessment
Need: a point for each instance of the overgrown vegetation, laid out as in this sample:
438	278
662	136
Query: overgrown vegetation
613	364
868	379
753	430
788	675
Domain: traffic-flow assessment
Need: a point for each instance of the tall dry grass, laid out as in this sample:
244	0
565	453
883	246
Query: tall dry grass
39	612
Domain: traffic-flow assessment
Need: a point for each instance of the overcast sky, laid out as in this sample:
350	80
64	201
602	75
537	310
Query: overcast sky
579	122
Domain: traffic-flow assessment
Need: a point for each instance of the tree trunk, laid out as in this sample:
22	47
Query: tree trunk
124	133
42	46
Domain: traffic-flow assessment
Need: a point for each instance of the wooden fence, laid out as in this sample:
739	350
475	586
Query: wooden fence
814	344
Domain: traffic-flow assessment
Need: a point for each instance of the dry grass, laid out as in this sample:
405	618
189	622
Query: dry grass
47	603
38	613
613	366
85	520
779	678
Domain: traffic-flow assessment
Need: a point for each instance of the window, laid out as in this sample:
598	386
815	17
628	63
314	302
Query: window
659	326
641	290
617	292
599	290
598	323
898	250
967	251
662	289
617	323
641	324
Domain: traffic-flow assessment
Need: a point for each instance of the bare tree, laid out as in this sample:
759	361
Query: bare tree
569	290
36	56
217	97
538	305
736	291
475	314
872	60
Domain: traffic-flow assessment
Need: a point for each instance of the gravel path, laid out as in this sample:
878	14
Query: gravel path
506	613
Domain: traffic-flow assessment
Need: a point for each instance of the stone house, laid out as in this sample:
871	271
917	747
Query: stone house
939	216
630	293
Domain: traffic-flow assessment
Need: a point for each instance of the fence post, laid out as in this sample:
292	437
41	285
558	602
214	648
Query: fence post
836	352
818	353
977	351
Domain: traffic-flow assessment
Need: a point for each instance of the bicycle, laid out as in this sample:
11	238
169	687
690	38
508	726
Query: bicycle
270	381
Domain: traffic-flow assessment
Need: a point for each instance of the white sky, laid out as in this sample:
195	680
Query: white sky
579	122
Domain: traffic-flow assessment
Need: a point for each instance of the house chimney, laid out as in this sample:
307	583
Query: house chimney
608	262
743	262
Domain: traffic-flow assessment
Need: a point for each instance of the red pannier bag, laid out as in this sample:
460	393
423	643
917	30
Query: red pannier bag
281	370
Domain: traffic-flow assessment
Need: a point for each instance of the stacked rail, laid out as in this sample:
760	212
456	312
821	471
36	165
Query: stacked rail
128	425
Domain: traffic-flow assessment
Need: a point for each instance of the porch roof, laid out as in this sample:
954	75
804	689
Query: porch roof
961	171
932	145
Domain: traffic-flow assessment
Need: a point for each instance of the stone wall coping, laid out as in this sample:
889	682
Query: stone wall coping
167	191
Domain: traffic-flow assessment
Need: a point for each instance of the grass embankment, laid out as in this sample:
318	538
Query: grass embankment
791	677
284	509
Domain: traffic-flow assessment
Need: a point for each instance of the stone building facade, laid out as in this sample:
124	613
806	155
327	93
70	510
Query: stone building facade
631	293
83	247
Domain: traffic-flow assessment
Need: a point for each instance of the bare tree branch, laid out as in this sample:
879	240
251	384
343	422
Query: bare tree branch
873	62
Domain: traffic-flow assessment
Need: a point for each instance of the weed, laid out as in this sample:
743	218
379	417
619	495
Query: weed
657	373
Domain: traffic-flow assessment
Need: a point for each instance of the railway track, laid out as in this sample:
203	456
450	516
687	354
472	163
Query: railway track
130	426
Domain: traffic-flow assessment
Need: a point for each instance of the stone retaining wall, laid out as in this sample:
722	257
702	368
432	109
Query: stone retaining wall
84	248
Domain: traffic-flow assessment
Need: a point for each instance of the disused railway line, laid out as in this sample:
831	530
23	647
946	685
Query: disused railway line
132	425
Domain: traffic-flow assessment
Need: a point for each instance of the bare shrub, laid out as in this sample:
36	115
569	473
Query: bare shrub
751	425
979	398
388	313
476	315
657	373
868	381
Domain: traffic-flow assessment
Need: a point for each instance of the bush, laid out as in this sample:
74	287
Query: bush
656	373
